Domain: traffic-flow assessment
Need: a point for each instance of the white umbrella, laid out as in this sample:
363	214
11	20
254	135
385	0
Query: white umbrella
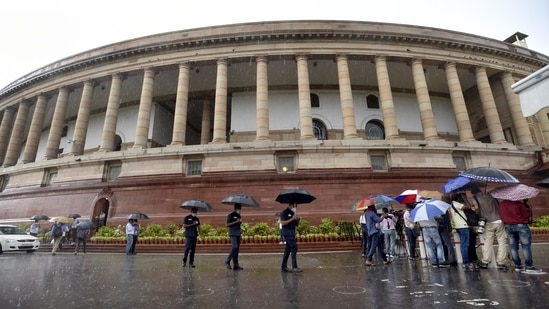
429	209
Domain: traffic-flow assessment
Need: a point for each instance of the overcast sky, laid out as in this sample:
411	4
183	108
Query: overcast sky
35	33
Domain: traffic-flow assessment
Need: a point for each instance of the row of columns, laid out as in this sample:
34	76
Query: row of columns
11	139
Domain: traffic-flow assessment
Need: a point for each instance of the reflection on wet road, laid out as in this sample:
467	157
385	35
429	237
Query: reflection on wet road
332	280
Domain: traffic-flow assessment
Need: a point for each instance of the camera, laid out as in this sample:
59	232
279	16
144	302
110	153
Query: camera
481	225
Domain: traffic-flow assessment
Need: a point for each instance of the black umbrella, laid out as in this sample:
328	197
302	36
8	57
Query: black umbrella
295	196
241	199
138	216
199	204
84	225
543	183
40	217
489	174
74	216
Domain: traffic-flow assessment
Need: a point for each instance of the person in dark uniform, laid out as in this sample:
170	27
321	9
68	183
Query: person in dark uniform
289	222
191	223
233	223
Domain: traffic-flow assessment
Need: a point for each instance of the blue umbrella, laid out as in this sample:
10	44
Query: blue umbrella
461	183
488	173
428	210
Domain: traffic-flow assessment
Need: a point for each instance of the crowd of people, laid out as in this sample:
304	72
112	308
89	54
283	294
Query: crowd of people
479	217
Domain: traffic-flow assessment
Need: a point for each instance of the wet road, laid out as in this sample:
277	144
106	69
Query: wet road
329	280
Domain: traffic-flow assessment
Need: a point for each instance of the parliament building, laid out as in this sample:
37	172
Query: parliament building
342	109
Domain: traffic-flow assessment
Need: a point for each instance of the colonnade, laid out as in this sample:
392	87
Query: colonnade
12	139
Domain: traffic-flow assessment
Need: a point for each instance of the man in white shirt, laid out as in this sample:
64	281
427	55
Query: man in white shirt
130	231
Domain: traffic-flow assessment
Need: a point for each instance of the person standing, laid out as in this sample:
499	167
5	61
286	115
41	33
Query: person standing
487	207
364	230
234	221
374	239
191	223
73	232
129	236
57	234
462	228
136	230
389	231
289	221
515	215
433	242
34	228
409	228
445	230
65	228
82	237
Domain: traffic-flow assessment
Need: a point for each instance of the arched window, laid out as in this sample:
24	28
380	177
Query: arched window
319	129
375	130
315	100
372	101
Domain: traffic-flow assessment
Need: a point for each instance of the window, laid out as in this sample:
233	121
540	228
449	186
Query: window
4	180
315	100
194	168
372	101
459	161
112	170
49	177
319	130
286	164
375	130
379	162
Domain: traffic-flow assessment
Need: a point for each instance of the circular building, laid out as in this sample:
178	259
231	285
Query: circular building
343	109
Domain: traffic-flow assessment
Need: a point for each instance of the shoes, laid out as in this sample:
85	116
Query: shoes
228	265
532	270
470	266
192	266
363	254
184	264
75	253
297	270
518	268
284	270
444	265
368	263
502	266
482	265
434	265
237	268
53	253
387	262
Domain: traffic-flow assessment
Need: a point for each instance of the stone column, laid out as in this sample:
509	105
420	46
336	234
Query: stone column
386	96
489	106
206	121
16	139
33	139
543	121
220	109
519	122
346	98
424	101
262	97
111	115
458	103
5	131
304	94
181	105
57	124
82	119
145	106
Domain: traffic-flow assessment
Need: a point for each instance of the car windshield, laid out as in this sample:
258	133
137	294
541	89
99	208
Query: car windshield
12	230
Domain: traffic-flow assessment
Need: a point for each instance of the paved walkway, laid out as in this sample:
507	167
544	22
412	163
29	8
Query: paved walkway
329	280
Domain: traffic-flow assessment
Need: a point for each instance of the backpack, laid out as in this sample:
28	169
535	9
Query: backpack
57	231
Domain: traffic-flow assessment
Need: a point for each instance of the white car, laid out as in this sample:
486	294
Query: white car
14	238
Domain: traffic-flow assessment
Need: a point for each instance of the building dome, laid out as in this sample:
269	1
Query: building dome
343	109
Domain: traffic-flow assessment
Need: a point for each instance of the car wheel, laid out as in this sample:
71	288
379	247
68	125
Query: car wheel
30	251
